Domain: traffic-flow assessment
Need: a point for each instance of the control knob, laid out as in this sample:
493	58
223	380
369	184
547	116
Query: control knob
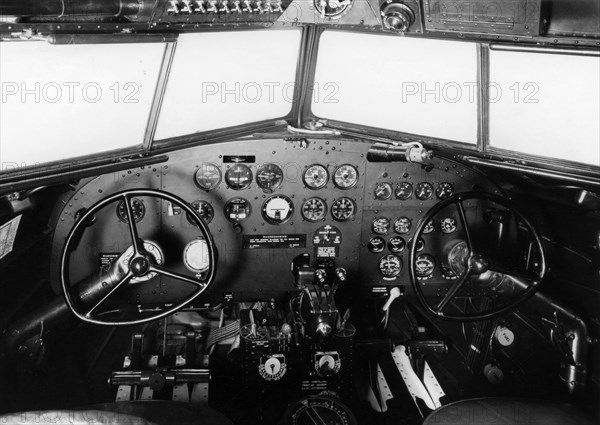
397	16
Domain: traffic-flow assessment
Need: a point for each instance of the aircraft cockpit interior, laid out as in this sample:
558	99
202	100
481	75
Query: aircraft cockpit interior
300	212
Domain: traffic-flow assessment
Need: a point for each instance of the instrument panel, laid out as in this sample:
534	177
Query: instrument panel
268	201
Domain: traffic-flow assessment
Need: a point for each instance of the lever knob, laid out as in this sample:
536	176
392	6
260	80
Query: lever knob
394	293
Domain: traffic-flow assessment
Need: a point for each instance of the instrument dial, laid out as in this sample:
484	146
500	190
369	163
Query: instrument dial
402	225
424	191
205	210
237	209
138	210
383	191
444	190
269	177
326	410
315	176
345	176
420	244
238	177
376	245
448	225
403	191
396	244
314	209
208	176
195	255
429	227
381	225
343	209
390	266
277	209
425	264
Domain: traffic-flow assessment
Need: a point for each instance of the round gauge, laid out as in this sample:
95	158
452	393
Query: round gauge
396	244
424	266
429	227
390	266
444	190
448	225
269	177
403	191
383	191
343	209
424	191
237	209
420	244
137	208
381	225
345	176
277	209
272	368
324	409
195	255
205	210
315	176
402	225
238	177
314	209
376	244
208	176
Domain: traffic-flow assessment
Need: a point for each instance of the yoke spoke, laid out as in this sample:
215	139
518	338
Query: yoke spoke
465	224
137	245
452	292
123	281
169	273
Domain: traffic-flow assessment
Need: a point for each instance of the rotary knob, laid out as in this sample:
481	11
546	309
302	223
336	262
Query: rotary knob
397	16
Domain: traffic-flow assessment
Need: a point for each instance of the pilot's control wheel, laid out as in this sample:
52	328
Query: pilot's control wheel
141	262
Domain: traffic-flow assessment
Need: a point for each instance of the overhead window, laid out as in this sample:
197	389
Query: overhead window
59	102
546	105
417	86
223	79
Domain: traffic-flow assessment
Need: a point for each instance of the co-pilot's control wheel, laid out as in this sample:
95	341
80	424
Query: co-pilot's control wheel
483	267
139	264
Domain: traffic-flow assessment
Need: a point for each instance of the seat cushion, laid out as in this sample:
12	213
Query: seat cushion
127	412
506	411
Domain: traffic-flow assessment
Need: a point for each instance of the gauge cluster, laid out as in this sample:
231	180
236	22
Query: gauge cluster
268	201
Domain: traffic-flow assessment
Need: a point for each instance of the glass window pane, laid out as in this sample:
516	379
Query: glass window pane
61	102
546	104
424	87
224	79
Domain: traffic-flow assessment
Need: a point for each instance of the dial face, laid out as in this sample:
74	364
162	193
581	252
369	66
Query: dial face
420	244
238	177
321	410
237	209
424	191
444	190
390	266
448	274
345	176
402	225
205	210
137	208
315	176
381	225
383	191
277	209
429	227
448	225
314	209
424	265
376	244
396	244
195	255
404	190
269	177
343	209
208	176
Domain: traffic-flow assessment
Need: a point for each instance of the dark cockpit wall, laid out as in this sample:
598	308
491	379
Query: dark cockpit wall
320	187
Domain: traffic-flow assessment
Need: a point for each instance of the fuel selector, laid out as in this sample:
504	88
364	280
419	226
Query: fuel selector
272	368
396	16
